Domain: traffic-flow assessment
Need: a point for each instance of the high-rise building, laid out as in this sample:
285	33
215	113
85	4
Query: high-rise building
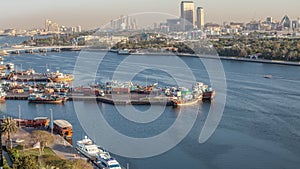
187	15
200	18
47	25
286	22
51	26
269	20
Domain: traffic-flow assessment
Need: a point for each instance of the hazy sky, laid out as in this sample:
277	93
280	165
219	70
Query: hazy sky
94	13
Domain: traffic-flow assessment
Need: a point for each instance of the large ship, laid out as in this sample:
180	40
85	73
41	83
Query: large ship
60	77
41	98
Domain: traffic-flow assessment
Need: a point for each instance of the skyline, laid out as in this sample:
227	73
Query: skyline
95	13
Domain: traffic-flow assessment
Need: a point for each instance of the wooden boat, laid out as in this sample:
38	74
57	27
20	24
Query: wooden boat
63	128
60	77
40	98
183	102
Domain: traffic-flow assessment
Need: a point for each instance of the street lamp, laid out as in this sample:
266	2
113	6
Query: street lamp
51	121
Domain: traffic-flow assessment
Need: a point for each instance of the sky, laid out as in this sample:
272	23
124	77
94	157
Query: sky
27	14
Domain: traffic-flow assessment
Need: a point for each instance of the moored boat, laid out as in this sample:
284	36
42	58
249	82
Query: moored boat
87	147
123	52
60	77
63	128
106	161
2	95
41	98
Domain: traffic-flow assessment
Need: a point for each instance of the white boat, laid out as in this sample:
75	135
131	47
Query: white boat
124	52
106	161
92	151
87	147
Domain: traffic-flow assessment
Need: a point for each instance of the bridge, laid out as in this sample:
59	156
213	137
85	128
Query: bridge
38	49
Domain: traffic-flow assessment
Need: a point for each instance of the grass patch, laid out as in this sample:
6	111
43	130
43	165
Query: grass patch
36	152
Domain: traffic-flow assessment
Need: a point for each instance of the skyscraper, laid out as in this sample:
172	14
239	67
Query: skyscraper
187	15
200	18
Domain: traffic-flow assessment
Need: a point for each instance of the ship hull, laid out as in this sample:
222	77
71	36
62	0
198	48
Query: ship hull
46	101
185	103
209	95
61	79
2	99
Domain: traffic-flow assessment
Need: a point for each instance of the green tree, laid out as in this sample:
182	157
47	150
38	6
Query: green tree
25	162
9	127
44	137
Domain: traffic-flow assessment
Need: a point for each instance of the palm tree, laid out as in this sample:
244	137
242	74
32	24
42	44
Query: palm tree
9	126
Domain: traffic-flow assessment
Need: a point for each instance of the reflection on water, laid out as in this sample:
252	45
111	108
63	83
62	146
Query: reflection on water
259	128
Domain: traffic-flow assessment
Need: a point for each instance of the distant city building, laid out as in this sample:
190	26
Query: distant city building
253	26
200	18
187	14
286	22
174	25
269	20
123	23
78	28
51	26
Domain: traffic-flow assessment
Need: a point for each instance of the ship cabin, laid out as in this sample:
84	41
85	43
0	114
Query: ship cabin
63	128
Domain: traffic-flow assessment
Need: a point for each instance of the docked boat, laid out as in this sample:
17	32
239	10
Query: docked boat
93	151
3	53
63	128
15	52
106	161
29	51
41	98
2	95
123	52
87	147
184	102
60	77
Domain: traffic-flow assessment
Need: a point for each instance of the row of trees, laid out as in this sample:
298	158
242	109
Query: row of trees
268	48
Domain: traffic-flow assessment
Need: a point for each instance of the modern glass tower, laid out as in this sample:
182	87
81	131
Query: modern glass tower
187	15
200	18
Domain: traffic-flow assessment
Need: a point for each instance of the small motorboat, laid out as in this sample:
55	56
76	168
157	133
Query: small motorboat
268	76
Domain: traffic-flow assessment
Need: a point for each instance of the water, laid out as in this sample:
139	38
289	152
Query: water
259	129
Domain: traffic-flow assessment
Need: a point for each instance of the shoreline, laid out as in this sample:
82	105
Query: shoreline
279	62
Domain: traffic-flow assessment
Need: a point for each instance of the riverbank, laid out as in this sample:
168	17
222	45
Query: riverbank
223	58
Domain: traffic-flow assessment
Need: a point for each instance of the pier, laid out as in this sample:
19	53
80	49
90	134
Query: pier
40	49
135	99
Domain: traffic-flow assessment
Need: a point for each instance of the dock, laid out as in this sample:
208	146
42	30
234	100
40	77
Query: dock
136	99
